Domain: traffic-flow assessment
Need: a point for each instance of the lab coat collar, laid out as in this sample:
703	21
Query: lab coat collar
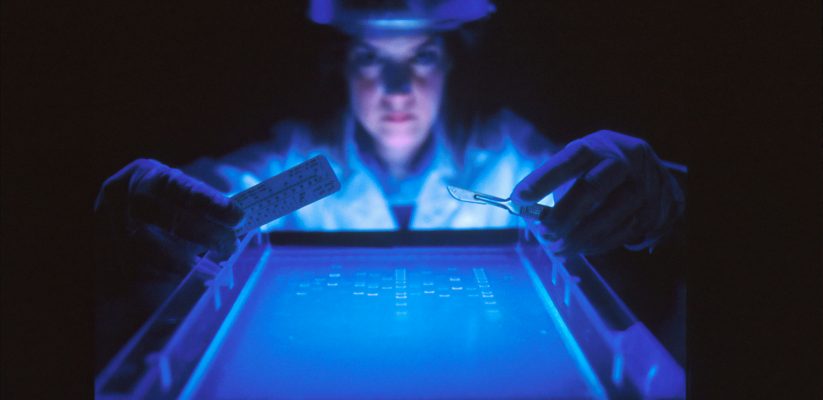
434	206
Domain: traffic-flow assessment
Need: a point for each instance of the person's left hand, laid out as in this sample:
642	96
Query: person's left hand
623	195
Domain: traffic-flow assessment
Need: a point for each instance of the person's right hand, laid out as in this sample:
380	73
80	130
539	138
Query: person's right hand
151	213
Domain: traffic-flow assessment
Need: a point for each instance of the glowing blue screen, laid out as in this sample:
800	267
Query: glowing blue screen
392	323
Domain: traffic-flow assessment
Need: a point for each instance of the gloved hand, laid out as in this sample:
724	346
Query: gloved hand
622	196
156	216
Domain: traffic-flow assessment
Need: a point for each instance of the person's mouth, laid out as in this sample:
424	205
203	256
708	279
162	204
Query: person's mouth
398	117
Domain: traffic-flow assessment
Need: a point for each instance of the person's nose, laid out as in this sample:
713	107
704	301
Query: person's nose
397	79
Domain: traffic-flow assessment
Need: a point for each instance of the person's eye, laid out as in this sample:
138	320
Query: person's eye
365	63
427	57
364	59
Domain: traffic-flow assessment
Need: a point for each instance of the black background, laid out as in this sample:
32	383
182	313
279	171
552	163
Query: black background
731	90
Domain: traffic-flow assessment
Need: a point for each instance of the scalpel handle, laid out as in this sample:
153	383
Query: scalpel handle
534	211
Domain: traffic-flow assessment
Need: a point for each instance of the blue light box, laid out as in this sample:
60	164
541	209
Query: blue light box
452	315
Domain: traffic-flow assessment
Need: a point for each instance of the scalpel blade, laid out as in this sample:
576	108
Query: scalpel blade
481	198
534	211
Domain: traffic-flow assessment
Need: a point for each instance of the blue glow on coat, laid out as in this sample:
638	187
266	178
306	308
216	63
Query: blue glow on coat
496	157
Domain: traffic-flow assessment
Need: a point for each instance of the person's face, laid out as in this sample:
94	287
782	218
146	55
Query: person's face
395	87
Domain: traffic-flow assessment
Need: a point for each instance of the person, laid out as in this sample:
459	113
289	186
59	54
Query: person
403	136
395	146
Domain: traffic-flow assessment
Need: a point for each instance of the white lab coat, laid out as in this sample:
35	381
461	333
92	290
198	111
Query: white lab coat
495	157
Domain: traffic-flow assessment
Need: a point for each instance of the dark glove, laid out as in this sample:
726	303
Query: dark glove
622	196
152	216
